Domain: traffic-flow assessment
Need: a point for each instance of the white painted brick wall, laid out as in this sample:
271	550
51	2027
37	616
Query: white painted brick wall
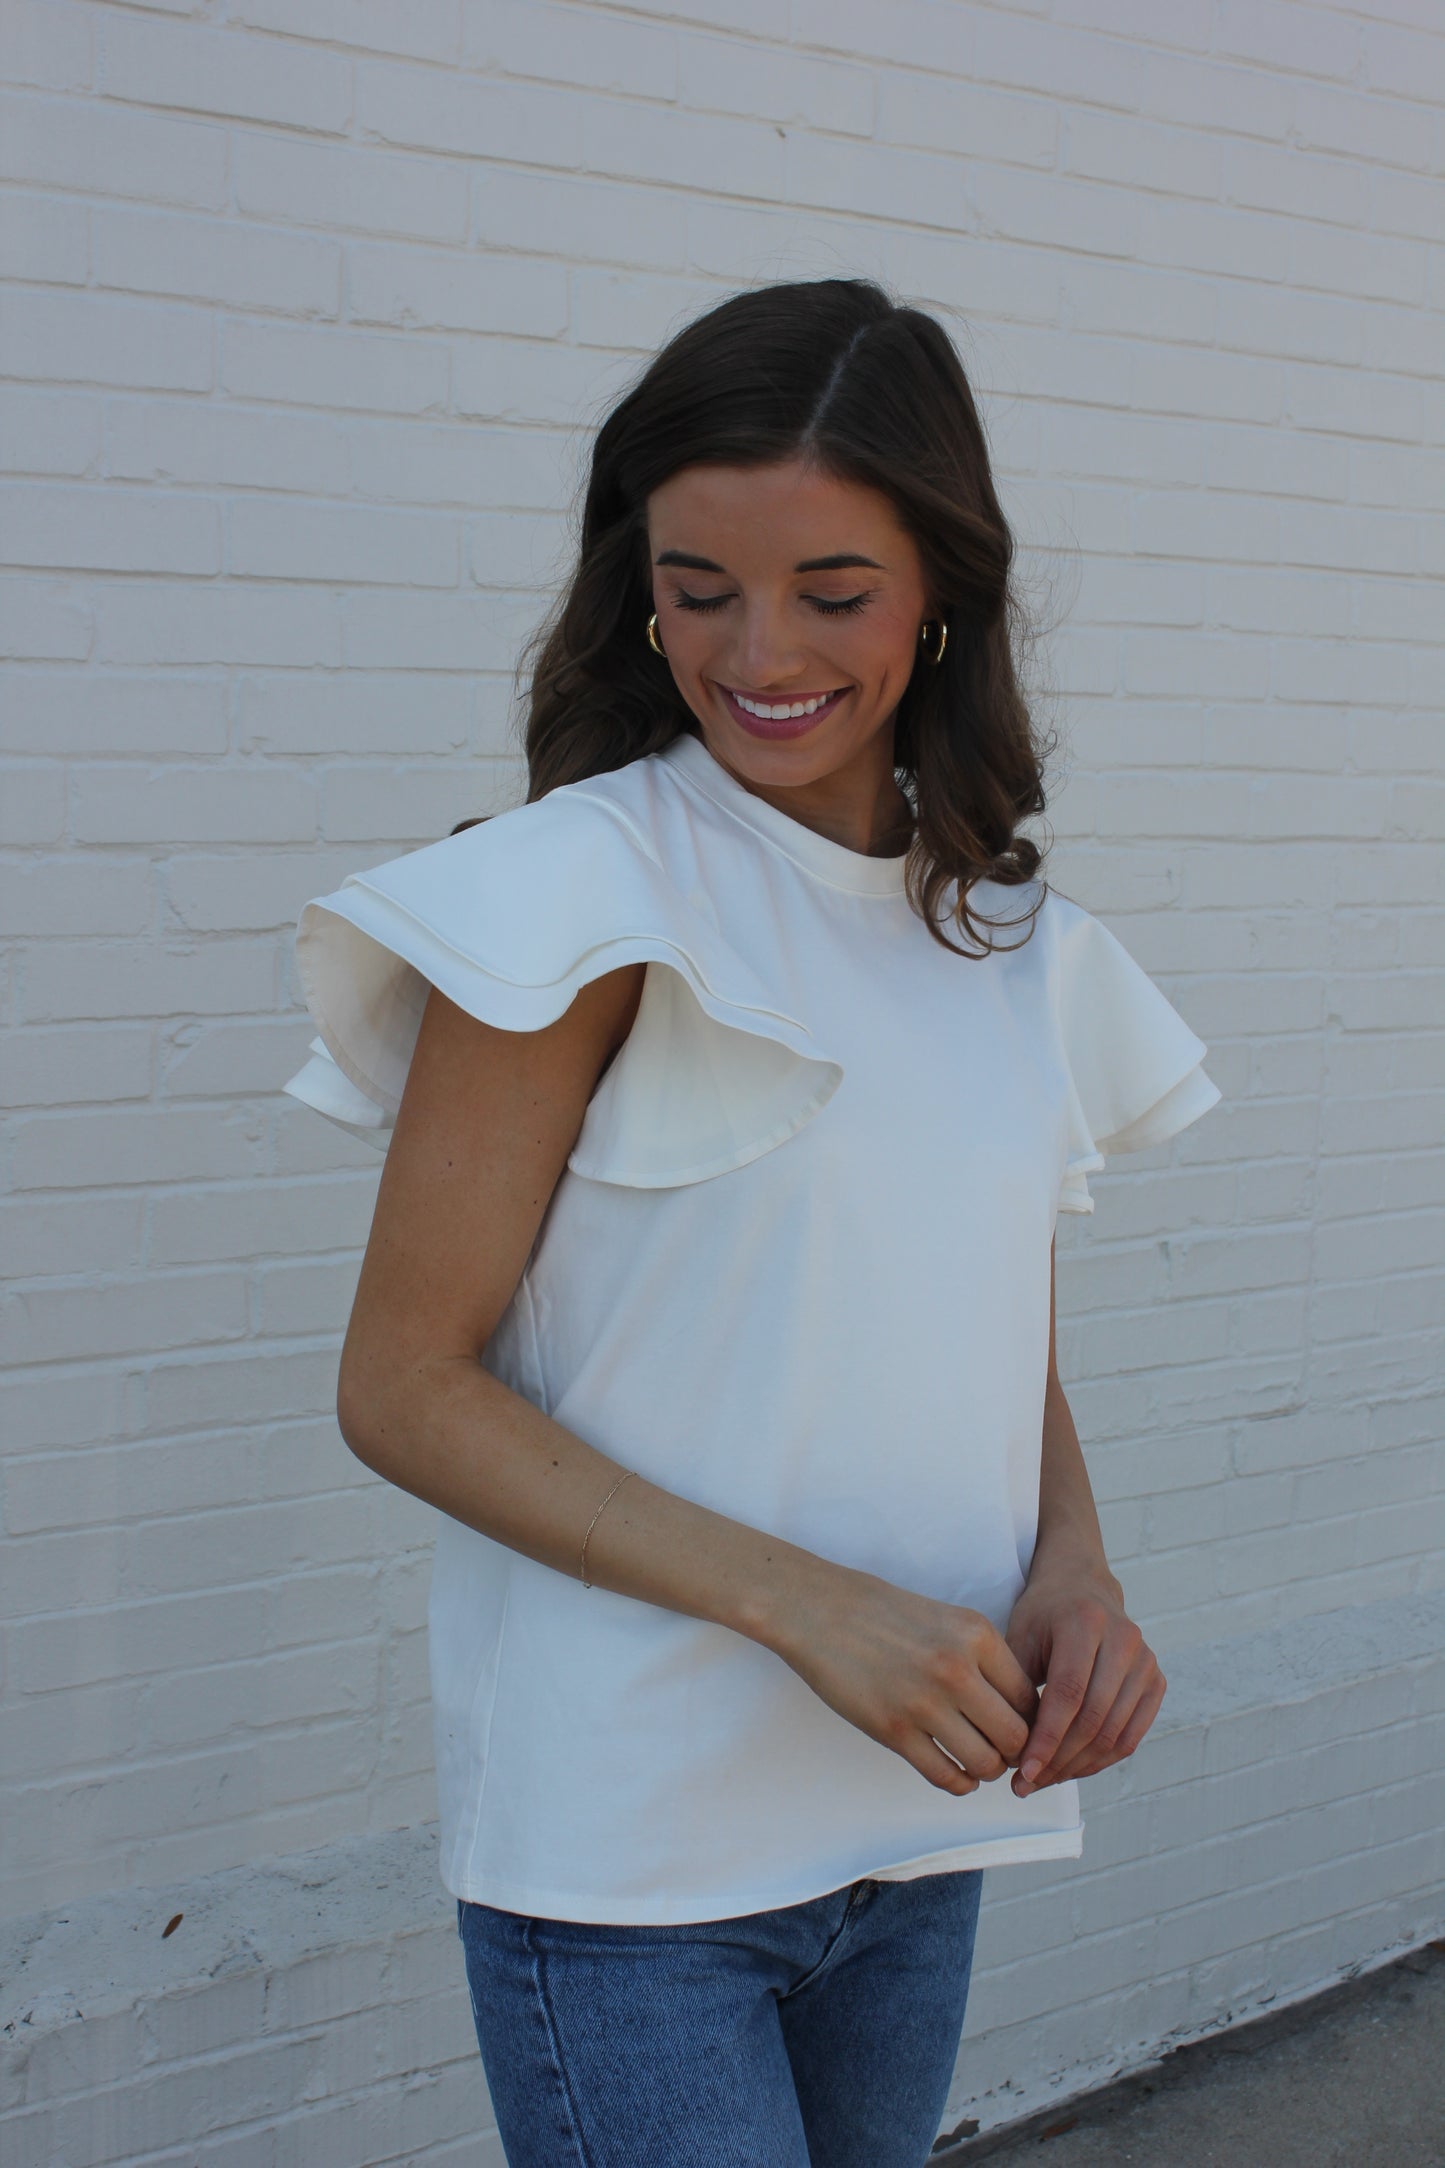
307	307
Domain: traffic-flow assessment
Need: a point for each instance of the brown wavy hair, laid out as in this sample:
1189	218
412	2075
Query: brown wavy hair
836	372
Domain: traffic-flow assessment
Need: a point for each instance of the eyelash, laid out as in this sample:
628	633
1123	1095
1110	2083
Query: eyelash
853	604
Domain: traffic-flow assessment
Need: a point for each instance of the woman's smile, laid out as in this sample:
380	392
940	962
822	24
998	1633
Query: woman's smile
780	715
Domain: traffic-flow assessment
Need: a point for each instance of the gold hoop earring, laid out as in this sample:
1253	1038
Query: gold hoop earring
933	655
652	640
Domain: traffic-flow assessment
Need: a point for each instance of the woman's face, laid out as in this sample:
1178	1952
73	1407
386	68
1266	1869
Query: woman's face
789	603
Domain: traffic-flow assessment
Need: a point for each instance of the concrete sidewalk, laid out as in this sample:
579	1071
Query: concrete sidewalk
1353	2079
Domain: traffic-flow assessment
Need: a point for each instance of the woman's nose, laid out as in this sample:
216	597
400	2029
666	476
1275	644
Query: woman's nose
768	652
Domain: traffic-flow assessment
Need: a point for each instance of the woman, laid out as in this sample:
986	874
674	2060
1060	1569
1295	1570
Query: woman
738	1078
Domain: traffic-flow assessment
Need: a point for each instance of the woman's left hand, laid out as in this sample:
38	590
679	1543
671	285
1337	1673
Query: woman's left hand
1100	1686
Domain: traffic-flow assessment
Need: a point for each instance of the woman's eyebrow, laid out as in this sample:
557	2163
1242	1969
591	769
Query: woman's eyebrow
842	562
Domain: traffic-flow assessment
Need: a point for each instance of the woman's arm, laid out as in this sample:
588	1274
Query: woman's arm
1101	1686
482	1137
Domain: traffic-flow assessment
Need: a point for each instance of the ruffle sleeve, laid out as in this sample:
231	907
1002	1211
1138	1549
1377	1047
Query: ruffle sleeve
328	1090
510	919
1134	1064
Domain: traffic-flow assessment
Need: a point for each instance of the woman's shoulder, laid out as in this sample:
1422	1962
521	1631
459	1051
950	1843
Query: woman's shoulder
1068	920
585	852
618	813
1089	960
1047	929
511	917
1025	923
528	895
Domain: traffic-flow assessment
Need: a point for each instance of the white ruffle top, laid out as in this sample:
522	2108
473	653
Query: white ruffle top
797	1269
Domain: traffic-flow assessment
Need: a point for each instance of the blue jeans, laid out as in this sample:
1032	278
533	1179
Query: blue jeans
819	2035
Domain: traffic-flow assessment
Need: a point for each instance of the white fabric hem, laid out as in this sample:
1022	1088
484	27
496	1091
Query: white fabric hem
1184	1102
326	1089
588	1909
996	1852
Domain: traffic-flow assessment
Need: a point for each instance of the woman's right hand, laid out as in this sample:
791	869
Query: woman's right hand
935	1682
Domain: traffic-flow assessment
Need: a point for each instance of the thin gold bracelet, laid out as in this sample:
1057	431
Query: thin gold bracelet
596	1518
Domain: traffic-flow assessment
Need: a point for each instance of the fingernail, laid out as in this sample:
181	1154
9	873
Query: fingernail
1030	1770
